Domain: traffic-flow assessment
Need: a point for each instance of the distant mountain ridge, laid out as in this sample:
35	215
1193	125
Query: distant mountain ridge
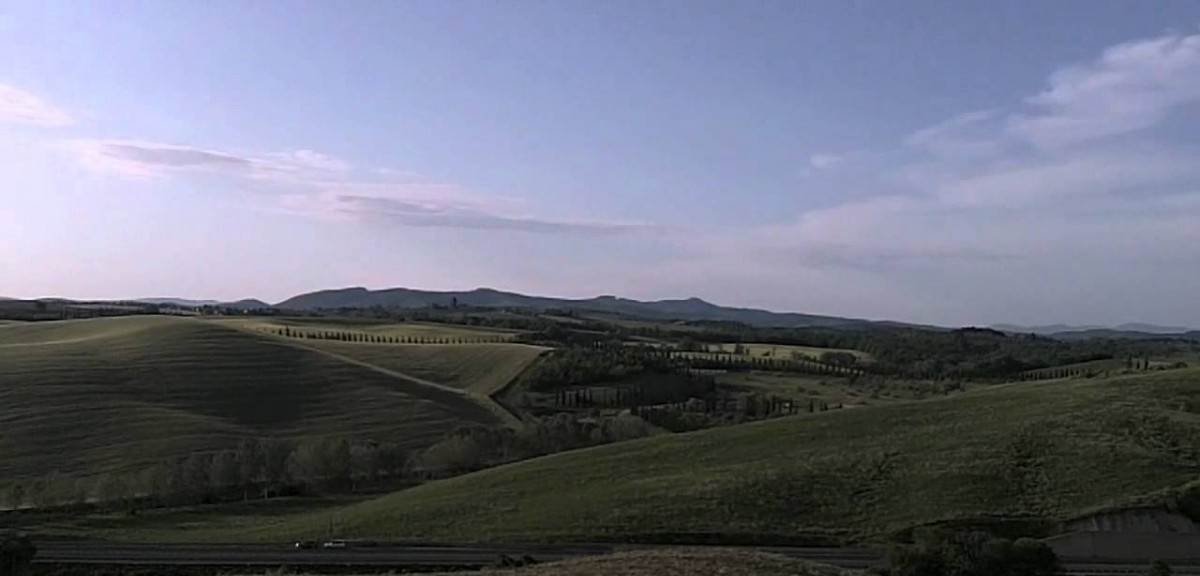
245	304
1052	329
686	309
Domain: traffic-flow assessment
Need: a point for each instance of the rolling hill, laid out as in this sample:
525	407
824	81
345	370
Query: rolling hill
687	309
1026	455
89	396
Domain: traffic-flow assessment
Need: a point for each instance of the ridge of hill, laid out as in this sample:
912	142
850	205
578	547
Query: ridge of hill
680	309
85	397
1025	456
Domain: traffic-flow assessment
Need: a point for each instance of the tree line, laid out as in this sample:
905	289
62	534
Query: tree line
263	469
470	448
256	469
288	332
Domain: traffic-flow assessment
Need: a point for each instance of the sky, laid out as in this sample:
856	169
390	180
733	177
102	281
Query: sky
956	162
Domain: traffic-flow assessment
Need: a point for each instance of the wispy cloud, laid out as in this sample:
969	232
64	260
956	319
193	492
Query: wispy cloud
434	206
1130	87
999	210
21	107
825	160
141	159
316	185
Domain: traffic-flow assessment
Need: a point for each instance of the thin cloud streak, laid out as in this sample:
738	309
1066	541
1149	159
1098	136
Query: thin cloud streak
1130	87
20	107
321	186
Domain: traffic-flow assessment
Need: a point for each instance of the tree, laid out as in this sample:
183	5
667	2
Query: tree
197	470
112	489
16	555
1159	568
153	482
250	463
225	473
16	495
839	358
365	463
453	455
322	462
276	455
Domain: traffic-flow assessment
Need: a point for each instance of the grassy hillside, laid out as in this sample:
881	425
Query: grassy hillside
88	396
1041	452
478	368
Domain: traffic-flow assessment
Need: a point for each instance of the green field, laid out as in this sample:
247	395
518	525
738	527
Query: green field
427	330
115	394
1035	452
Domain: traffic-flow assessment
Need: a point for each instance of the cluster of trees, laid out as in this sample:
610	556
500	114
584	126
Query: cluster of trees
598	364
1131	365
263	469
288	332
698	413
639	391
602	363
945	553
473	448
256	468
799	364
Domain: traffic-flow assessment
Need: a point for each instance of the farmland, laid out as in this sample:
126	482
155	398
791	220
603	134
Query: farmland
85	397
478	368
1023	453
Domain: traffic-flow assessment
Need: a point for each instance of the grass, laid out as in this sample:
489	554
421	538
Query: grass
681	562
478	368
428	330
832	389
116	394
1030	452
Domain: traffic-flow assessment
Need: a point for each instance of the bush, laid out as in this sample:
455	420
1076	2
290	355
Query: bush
16	555
1159	568
943	553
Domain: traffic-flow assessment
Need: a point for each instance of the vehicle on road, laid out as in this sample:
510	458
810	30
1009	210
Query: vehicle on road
333	544
305	544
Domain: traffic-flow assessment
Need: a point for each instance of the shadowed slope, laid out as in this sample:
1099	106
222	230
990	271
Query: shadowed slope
94	395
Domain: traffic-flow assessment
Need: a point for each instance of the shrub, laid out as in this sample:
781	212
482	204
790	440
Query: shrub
943	553
16	555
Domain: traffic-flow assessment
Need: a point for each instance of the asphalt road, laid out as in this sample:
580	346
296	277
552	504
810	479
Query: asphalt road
400	556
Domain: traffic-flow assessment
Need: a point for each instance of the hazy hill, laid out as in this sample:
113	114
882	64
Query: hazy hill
177	302
1057	329
246	304
1125	335
688	309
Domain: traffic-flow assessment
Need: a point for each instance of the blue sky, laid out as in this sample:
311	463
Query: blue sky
953	162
